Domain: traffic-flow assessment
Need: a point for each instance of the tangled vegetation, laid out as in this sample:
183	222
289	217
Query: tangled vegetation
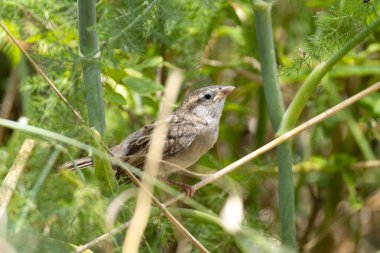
327	48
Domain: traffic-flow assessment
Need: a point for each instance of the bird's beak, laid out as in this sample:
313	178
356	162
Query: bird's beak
224	92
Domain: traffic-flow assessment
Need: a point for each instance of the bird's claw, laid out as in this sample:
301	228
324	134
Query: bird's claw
187	189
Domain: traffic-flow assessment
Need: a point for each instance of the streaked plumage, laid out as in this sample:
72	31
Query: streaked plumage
193	130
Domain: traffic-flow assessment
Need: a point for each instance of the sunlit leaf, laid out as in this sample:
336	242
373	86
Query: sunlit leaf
143	86
111	96
153	62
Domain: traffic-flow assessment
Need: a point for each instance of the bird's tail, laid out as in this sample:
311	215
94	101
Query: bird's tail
81	163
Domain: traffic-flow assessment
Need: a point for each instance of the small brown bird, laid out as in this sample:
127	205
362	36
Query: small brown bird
192	131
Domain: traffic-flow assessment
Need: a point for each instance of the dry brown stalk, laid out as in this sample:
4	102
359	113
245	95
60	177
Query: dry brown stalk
367	164
14	173
140	217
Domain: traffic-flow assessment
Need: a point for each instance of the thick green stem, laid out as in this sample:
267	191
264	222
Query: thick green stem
262	120
90	54
286	194
295	109
275	104
263	26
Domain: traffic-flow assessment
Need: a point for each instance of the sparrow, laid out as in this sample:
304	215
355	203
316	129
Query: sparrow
192	131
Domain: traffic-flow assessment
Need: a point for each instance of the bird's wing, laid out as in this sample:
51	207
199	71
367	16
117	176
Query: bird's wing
181	134
133	149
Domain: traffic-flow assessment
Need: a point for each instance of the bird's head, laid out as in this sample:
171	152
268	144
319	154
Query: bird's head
207	101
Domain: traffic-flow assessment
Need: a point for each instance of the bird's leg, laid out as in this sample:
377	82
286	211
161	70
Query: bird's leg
187	189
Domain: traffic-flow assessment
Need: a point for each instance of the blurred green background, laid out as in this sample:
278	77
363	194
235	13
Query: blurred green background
336	179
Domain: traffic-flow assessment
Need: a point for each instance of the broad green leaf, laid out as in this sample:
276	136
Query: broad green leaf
133	72
115	74
143	86
111	96
153	62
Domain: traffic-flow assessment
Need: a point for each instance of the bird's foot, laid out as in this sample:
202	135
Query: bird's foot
185	188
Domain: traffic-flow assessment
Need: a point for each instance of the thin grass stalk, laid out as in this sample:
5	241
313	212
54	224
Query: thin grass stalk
90	55
366	164
140	217
303	95
275	104
10	181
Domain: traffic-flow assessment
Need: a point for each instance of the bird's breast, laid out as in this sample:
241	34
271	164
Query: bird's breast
205	140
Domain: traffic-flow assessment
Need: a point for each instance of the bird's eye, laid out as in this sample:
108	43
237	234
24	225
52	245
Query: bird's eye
207	96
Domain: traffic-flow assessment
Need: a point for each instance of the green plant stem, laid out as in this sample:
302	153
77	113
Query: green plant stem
297	105
264	35
262	120
90	54
202	217
263	26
